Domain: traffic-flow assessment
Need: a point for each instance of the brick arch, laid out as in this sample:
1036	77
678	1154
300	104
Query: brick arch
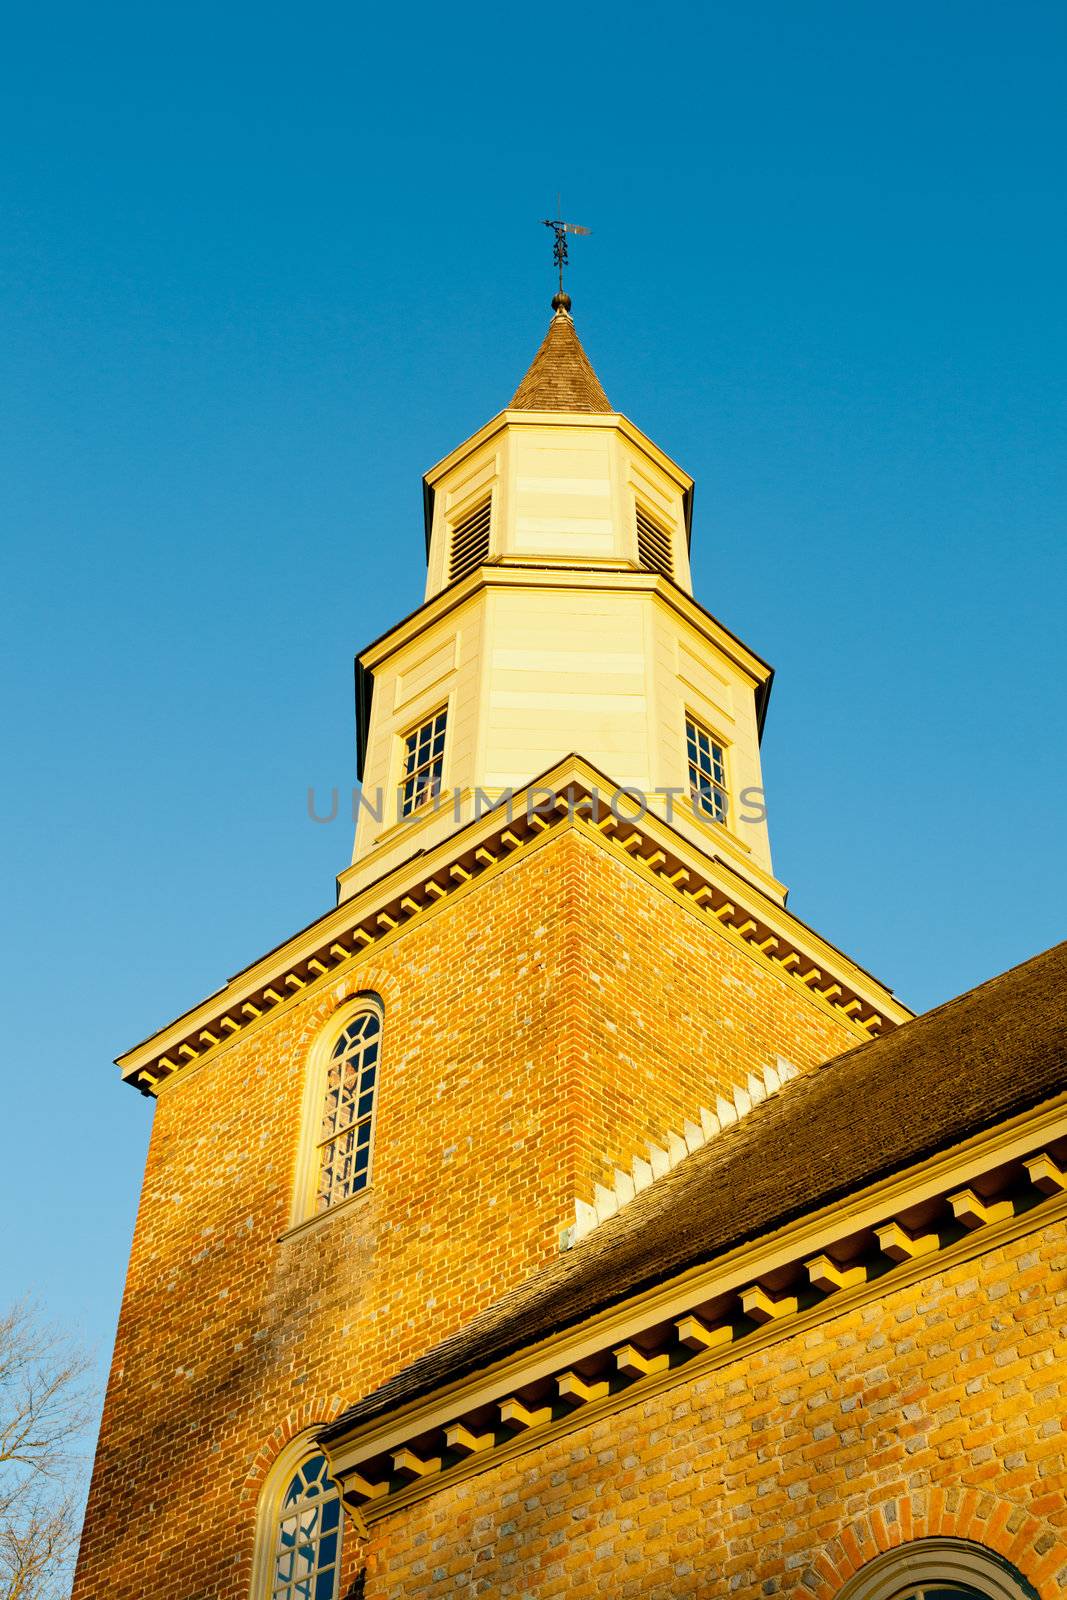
314	1413
1004	1527
373	979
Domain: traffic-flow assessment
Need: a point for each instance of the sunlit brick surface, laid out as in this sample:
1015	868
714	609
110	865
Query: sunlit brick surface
538	1029
938	1410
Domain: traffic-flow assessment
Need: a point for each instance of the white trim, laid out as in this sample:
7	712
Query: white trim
300	1448
704	725
304	1166
752	1263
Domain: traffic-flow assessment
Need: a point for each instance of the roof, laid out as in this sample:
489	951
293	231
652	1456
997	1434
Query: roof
561	377
991	1054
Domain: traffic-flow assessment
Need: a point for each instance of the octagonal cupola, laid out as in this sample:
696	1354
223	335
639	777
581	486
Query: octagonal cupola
558	478
558	620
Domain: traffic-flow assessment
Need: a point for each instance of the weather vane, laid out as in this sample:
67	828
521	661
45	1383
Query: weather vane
559	253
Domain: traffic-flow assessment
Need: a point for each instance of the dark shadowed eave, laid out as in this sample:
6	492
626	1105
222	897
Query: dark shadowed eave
989	1055
561	377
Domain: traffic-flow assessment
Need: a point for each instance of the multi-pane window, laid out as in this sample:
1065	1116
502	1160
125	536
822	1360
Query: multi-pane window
424	759
348	1110
707	771
307	1547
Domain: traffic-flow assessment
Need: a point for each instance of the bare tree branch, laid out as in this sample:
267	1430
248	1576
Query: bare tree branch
44	1412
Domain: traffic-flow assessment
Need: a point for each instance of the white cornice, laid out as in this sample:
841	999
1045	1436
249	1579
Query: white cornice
557	575
824	1264
707	888
613	421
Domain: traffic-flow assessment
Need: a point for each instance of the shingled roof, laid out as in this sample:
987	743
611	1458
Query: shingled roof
988	1055
561	377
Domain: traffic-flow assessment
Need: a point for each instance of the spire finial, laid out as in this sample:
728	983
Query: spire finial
562	300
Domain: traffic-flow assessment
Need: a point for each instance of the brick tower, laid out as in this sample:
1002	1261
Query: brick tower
490	1100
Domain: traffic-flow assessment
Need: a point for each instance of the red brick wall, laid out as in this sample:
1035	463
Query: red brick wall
939	1409
538	1028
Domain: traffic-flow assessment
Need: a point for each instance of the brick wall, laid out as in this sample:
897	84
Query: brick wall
939	1409
539	1026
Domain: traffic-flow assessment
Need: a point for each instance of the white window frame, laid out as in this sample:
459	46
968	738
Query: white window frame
268	1515
306	1176
413	729
702	726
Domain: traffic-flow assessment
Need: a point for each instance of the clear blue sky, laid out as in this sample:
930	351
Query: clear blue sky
263	265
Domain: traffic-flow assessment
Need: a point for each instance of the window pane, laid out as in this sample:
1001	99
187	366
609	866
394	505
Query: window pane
311	1521
707	771
423	763
345	1125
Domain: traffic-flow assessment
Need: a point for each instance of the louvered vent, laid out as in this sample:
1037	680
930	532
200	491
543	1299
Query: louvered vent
470	541
653	545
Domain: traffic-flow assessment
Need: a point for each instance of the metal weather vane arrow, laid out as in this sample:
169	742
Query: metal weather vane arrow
559	249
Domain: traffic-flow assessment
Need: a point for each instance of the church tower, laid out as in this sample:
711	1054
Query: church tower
559	618
558	966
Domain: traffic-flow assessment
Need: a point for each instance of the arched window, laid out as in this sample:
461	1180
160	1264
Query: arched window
938	1569
298	1544
335	1155
348	1110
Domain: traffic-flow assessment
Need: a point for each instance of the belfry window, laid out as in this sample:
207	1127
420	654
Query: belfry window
347	1109
470	540
707	771
424	759
305	1561
653	544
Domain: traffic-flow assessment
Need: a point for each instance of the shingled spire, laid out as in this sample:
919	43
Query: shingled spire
561	377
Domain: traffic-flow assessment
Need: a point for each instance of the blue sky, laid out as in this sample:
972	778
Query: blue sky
261	266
